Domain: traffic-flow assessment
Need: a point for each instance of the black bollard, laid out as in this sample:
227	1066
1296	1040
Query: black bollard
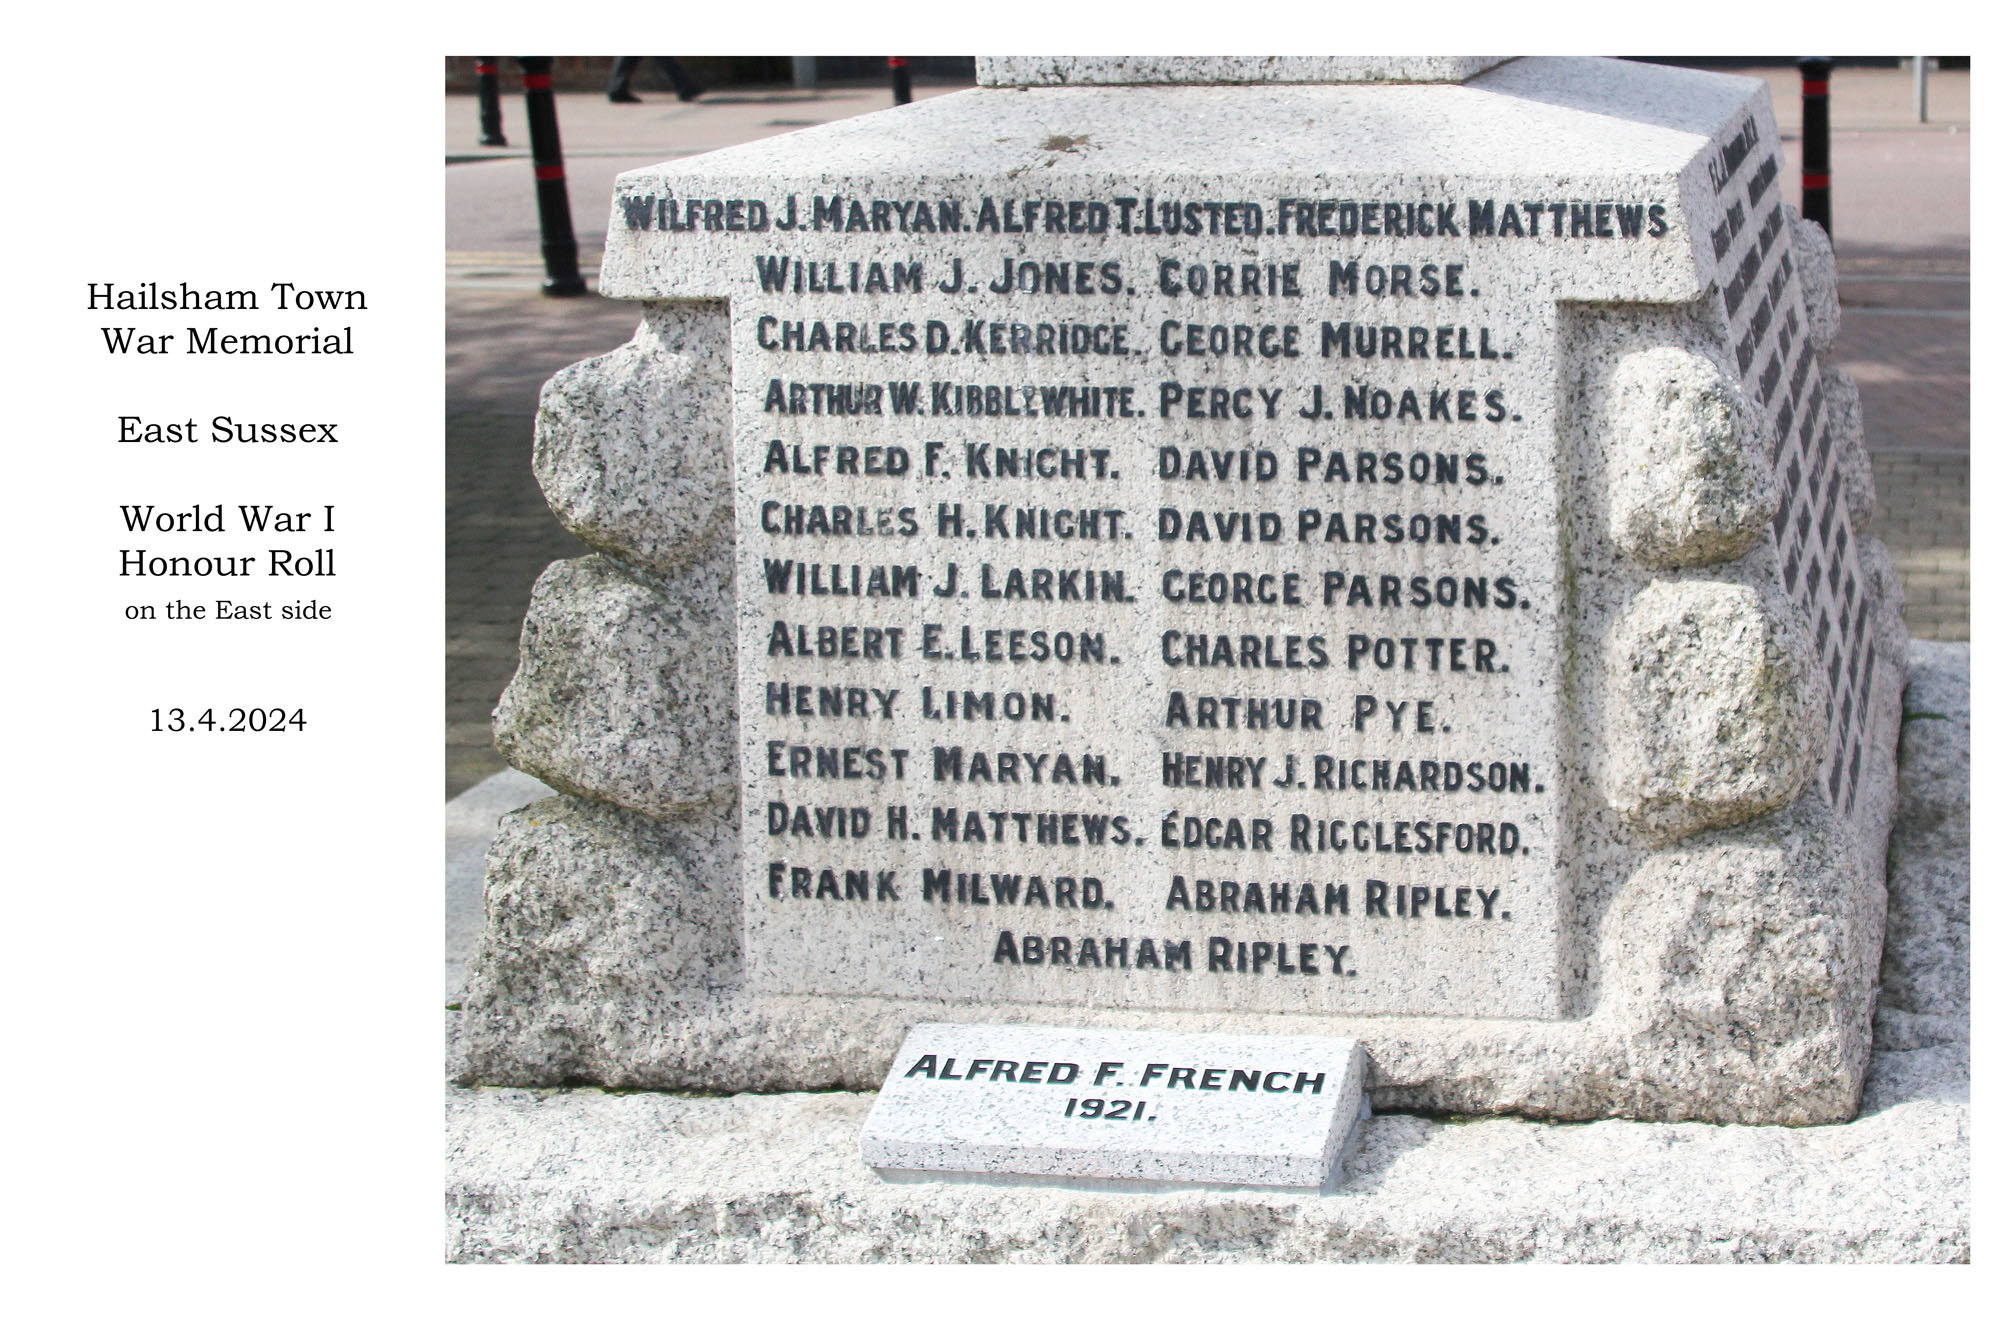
899	79
488	70
551	188
1815	158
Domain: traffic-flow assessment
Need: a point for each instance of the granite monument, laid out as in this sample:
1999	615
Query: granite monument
1325	548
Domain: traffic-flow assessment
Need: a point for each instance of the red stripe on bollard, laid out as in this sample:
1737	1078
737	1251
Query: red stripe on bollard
895	62
554	173
1815	150
537	83
483	68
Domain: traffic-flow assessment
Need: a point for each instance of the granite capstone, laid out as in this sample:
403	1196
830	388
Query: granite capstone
1061	71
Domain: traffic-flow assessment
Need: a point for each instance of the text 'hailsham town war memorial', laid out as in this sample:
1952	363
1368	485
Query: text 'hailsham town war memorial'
1370	550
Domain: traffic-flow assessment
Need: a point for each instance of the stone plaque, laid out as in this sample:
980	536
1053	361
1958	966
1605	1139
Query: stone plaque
1169	1106
1150	592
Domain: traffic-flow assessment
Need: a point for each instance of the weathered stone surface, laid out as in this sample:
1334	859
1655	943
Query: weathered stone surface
1682	244
1110	717
1812	254
1059	71
1020	1101
1870	790
580	1176
1682	1055
1690	477
470	822
627	690
598	919
1926	985
1745	956
1715	717
1885	588
576	1177
1843	423
632	447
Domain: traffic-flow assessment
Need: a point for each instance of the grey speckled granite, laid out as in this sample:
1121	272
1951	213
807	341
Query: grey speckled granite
585	1176
1058	71
1686	921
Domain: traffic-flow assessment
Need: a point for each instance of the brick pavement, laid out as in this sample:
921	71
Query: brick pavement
1924	518
502	340
1913	367
1901	229
1901	220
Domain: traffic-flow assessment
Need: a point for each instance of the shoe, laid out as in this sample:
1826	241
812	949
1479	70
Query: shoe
621	97
691	94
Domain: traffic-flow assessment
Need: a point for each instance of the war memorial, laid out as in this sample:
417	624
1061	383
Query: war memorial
1256	644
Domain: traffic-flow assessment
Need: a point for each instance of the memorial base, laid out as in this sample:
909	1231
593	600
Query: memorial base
582	1175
